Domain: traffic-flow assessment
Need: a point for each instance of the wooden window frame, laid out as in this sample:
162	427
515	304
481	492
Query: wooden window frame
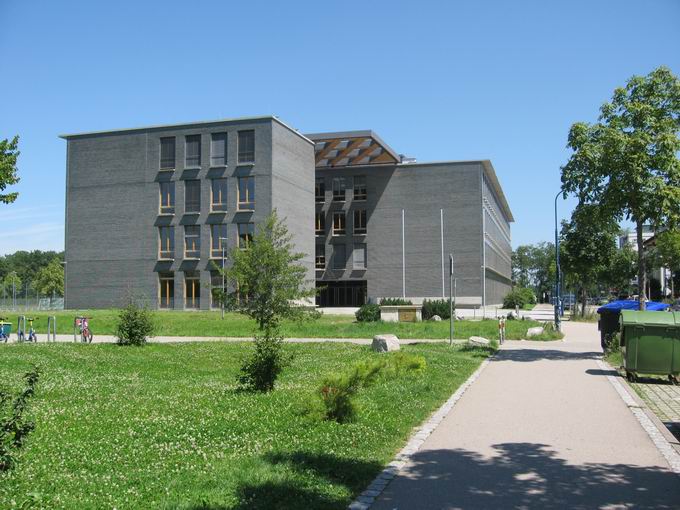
216	253
337	231
169	252
320	223
249	203
168	283
220	206
193	252
320	258
194	278
168	208
247	235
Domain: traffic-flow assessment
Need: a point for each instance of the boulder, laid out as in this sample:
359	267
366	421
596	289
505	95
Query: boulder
385	343
478	340
534	332
435	318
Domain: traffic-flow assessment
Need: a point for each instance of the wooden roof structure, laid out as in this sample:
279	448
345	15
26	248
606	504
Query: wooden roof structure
351	148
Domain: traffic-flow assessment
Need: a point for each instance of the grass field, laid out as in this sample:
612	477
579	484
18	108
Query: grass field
163	426
172	323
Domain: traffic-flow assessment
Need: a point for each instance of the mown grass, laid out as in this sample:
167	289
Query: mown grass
172	323
163	426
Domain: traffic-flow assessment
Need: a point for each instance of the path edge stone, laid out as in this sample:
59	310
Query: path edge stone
364	500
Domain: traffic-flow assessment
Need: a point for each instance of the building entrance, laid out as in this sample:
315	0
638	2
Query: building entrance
351	293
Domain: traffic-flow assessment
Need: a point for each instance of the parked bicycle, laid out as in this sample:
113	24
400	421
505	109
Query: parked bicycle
21	332
85	333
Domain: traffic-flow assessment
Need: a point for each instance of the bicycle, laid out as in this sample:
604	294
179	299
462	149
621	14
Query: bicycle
4	330
32	336
85	332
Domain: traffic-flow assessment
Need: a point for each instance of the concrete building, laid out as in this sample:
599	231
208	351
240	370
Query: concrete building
150	211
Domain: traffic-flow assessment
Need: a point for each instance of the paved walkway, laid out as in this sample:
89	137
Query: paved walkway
663	398
542	427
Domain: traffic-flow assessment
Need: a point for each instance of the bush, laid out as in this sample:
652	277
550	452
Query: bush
519	296
368	313
394	302
436	307
260	371
338	391
135	323
13	427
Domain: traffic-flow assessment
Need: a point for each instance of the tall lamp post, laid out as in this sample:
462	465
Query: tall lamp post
558	295
223	242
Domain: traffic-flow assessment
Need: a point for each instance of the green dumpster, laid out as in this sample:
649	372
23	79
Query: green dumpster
650	343
5	330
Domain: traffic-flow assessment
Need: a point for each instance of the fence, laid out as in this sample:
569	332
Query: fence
26	298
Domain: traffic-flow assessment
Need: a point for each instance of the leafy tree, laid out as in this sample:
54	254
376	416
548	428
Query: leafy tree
270	286
9	154
12	281
666	252
27	264
587	248
522	265
621	270
50	279
627	162
534	266
135	323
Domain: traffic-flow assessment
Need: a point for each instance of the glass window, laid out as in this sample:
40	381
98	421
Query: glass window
192	242
338	223
167	197
320	258
339	256
360	221
167	242
338	189
218	149
320	223
320	190
245	235
219	195
166	290
168	153
246	146
217	288
359	256
218	240
360	187
192	196
193	150
192	289
246	193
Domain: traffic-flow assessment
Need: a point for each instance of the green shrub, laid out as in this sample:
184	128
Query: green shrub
519	296
394	301
13	427
436	307
135	323
368	313
260	371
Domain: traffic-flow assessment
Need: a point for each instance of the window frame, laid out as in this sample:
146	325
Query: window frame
339	232
361	230
168	283
187	183
195	251
245	157
169	253
216	253
320	223
320	186
365	257
362	196
320	257
221	206
194	277
246	205
247	235
336	250
161	165
197	163
170	207
339	194
215	159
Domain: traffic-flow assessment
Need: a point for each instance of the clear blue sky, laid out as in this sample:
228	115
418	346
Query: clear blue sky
437	80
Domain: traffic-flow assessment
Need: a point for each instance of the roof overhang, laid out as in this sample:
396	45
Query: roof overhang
351	148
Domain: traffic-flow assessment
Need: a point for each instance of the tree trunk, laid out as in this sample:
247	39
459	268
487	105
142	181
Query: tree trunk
642	274
584	301
672	285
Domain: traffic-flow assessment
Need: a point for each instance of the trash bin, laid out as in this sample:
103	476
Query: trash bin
650	343
609	321
6	328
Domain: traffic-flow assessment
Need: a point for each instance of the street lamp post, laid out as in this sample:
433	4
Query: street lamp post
558	297
224	294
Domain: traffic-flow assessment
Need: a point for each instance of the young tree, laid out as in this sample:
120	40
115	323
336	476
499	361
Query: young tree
627	163
50	279
12	281
271	285
667	252
8	168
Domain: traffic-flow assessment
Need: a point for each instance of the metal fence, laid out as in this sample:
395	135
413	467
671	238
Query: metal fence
25	298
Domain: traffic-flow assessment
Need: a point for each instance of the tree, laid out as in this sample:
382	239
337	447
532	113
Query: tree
627	162
50	279
12	281
9	154
667	252
522	265
588	247
621	270
270	286
533	266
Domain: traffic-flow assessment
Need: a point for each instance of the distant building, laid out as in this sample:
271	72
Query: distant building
630	238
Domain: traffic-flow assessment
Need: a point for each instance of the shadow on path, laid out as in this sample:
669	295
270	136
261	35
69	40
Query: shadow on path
529	354
526	475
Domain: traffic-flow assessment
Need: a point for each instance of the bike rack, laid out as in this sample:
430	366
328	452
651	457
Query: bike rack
21	328
75	328
52	328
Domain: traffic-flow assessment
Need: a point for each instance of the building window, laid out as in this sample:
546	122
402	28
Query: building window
166	290
168	153
320	223
246	193
218	201
339	256
218	240
218	149
167	242
320	258
320	190
192	196
339	223
192	242
217	289
245	235
338	189
167	197
360	188
246	146
192	156
192	289
360	221
359	256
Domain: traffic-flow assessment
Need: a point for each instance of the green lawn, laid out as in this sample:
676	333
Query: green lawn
163	426
172	323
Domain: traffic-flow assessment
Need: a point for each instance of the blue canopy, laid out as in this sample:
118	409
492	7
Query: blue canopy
629	304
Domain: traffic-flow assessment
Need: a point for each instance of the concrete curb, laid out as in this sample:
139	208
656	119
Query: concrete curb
655	434
378	485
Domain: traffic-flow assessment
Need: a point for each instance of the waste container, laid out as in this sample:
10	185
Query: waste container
6	328
608	323
650	343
